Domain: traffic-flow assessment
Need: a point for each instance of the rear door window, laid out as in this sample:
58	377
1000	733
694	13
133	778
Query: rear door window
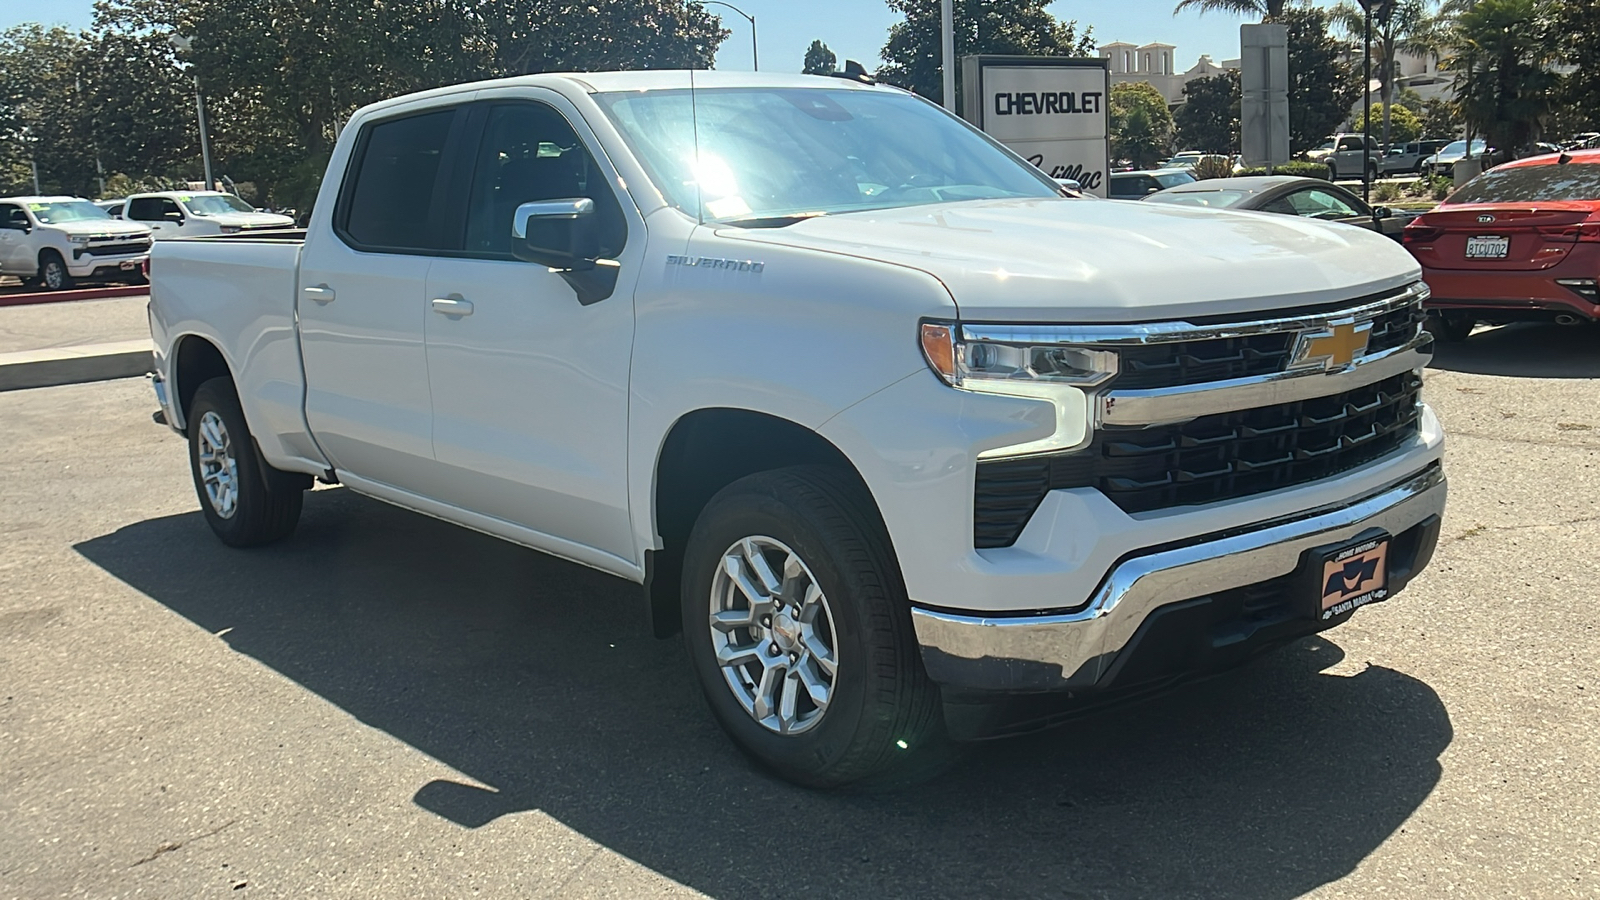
387	203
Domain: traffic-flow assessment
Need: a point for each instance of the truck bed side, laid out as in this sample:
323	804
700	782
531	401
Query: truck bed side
238	295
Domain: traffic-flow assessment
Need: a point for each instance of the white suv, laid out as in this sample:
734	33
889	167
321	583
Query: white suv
54	241
178	214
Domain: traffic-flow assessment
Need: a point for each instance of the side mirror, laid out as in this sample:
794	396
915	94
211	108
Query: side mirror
561	234
18	225
172	217
1070	185
1382	212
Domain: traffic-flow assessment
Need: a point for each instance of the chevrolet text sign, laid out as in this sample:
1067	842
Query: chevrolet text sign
1049	110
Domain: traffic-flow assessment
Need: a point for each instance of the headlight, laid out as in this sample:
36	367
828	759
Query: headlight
232	229
1061	374
78	238
999	366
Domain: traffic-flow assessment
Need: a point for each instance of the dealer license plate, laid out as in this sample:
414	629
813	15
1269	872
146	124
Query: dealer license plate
1354	575
1488	247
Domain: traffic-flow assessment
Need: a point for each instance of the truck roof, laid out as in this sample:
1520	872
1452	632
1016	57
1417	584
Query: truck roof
59	198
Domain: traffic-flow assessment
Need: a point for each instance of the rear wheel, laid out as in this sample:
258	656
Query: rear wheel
53	272
798	628
245	501
1333	172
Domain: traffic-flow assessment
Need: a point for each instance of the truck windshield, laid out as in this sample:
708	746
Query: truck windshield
774	154
57	211
216	204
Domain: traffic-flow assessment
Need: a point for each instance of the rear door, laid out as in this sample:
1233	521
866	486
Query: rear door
15	255
362	302
530	381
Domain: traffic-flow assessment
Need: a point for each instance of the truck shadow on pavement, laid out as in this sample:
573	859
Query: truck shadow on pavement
1524	350
540	679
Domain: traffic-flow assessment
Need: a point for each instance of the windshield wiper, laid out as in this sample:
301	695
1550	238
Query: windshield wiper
772	221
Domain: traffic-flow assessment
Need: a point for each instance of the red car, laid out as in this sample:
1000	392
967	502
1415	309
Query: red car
1521	242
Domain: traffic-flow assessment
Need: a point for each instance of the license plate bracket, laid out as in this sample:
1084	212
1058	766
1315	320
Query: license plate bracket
1348	575
1488	246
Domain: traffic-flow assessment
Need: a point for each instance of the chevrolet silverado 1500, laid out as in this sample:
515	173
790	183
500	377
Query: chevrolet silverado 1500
909	446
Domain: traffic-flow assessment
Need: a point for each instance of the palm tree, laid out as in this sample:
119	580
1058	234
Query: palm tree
1265	9
1502	57
1408	28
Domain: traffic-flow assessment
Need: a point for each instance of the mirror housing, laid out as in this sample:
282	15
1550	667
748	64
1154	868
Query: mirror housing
561	234
172	217
16	225
1382	212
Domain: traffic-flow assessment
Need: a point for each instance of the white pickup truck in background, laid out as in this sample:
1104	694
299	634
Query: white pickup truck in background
909	446
178	214
52	242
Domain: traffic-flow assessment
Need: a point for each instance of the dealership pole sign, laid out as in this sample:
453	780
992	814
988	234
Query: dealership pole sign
1050	110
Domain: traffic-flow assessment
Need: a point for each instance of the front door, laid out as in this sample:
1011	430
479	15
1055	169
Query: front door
13	244
530	385
362	299
161	215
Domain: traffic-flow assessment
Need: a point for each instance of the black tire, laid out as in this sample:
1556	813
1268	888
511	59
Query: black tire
266	502
1333	172
53	274
1372	173
883	725
1455	329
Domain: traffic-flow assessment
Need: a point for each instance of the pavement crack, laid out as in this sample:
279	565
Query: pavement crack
170	846
1476	530
1576	445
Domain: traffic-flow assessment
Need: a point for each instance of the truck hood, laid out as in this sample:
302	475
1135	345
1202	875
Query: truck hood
100	228
1109	261
249	219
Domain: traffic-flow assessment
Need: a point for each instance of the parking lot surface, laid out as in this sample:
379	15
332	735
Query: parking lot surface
388	706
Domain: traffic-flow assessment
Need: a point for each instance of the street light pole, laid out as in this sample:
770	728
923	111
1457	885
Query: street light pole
205	139
183	45
755	55
1366	101
947	51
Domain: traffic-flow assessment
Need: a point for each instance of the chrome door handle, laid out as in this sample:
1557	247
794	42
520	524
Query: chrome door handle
452	305
321	293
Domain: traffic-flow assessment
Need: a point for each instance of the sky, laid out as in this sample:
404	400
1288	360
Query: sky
853	29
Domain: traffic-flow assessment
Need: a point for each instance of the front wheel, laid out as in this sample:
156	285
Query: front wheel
1455	329
53	274
245	501
798	627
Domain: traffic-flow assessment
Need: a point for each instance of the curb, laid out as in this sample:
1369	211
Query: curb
101	293
75	365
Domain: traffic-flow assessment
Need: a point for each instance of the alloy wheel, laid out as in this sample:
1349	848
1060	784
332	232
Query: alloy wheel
773	634
219	469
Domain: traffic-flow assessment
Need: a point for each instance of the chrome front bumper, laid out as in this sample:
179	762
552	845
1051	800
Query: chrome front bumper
1073	650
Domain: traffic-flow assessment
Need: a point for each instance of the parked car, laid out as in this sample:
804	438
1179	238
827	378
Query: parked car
1310	198
1519	242
1444	162
51	242
1135	185
1342	154
176	214
1410	156
889	428
113	208
1186	159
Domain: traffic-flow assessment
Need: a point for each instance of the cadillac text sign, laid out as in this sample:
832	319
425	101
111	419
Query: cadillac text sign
1049	110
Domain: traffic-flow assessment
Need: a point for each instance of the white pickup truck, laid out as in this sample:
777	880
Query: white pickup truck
181	214
51	242
909	446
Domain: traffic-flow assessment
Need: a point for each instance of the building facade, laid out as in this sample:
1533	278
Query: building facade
1153	64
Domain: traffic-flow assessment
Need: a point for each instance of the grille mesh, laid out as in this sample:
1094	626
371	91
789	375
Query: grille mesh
1208	459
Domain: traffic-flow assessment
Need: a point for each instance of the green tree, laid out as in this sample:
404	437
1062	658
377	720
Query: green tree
1322	82
1575	28
1407	27
1023	27
1141	124
1403	124
43	112
819	60
1259	9
1209	118
1502	57
1440	118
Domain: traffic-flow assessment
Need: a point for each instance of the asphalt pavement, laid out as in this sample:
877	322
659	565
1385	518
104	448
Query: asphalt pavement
388	706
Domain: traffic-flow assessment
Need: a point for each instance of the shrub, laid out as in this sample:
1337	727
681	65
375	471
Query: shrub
1303	168
1213	167
1385	192
1442	188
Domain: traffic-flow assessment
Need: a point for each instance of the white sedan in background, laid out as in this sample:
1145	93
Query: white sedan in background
175	214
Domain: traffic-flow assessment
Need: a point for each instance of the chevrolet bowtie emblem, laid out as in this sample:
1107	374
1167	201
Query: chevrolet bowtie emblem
1333	348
